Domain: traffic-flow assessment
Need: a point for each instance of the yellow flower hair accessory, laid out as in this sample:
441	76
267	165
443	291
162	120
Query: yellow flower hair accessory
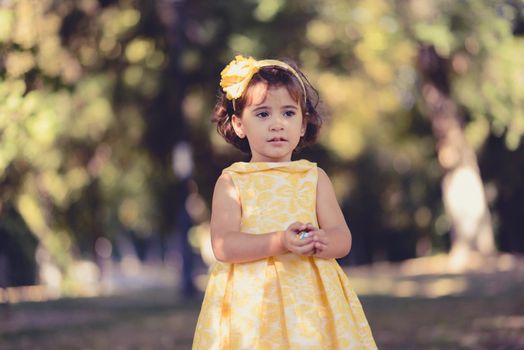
236	76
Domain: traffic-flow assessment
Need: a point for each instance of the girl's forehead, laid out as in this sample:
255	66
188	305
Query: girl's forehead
262	92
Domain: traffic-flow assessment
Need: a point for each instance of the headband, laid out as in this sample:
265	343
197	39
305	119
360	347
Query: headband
238	73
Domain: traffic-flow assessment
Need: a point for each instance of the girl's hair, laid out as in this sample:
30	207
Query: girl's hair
273	76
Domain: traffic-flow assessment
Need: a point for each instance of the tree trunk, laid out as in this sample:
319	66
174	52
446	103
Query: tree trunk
173	14
5	312
462	187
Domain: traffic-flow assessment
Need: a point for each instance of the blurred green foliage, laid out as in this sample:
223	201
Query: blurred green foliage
75	78
94	96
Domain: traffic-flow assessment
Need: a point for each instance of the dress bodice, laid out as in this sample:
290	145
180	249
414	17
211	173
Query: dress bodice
274	195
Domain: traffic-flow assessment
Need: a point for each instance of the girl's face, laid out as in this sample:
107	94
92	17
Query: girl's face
273	123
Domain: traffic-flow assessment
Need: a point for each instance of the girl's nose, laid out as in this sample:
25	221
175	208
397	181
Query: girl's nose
277	125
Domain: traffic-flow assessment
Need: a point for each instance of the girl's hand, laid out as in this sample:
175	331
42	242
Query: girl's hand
320	241
291	241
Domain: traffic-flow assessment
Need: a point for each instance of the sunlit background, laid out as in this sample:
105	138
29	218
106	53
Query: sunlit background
108	157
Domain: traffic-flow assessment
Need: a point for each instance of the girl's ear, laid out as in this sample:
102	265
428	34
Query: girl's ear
238	126
304	126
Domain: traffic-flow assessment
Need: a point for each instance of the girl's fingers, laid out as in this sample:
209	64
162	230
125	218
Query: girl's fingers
302	241
300	238
306	249
320	246
292	241
310	253
310	227
297	227
293	227
319	235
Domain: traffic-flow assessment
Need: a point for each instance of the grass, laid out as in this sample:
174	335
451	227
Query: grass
448	322
487	313
151	319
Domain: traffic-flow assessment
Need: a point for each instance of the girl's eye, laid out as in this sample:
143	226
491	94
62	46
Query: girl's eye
262	114
289	113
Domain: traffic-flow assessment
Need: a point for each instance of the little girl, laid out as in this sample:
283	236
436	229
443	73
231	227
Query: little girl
276	226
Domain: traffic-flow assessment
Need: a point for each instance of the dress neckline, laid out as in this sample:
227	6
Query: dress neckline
301	165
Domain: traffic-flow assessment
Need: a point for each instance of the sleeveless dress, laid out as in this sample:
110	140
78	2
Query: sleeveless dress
286	301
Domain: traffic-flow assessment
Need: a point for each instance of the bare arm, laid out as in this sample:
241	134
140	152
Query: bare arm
333	239
231	245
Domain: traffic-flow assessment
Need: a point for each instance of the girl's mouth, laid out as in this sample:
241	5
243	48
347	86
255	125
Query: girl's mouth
277	139
278	142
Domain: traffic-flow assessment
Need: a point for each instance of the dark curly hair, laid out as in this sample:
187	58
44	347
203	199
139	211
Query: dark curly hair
273	76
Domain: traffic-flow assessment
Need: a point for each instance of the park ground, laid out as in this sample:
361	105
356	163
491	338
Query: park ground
418	304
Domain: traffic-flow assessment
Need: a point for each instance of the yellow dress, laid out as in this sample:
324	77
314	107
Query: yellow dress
286	301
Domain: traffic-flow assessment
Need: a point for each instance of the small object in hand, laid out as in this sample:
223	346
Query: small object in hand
303	235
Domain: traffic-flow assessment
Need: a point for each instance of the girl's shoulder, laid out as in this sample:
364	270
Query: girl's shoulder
322	174
225	186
